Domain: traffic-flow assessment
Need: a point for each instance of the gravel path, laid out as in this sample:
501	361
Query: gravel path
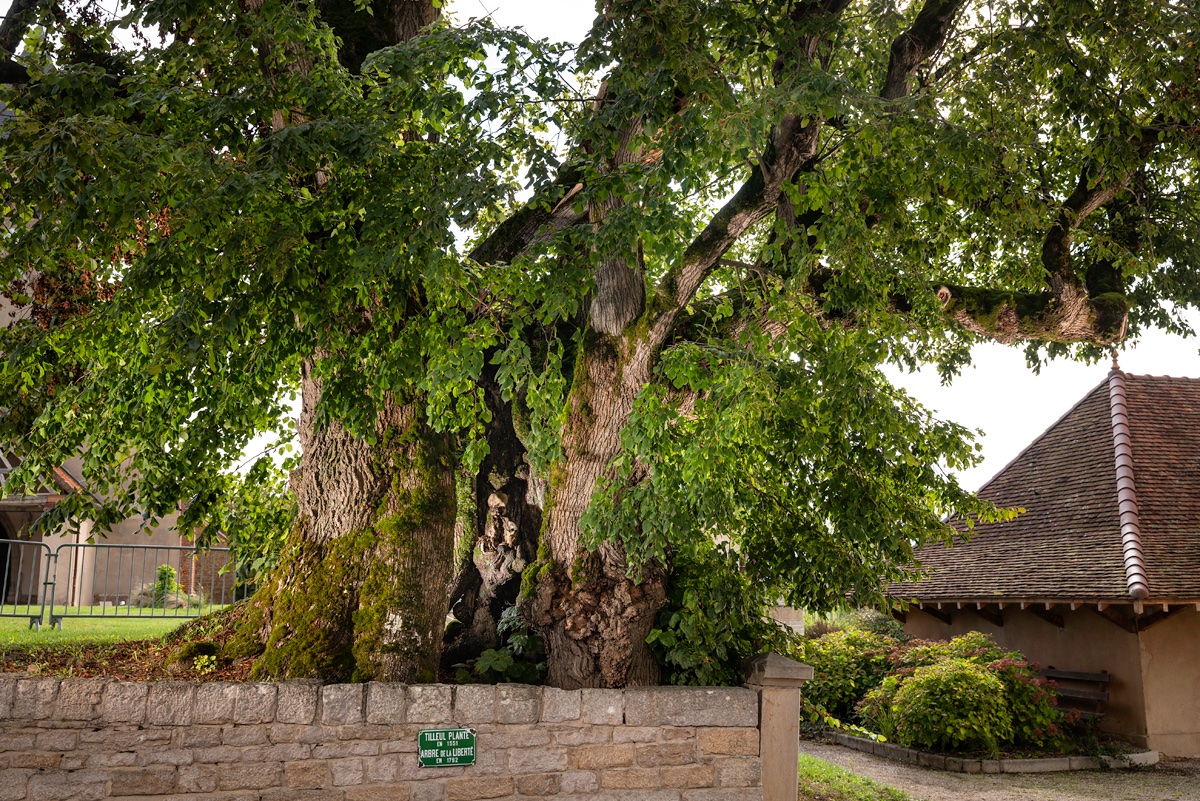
1178	780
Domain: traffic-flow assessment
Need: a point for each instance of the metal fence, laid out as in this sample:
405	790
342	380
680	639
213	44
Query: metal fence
113	581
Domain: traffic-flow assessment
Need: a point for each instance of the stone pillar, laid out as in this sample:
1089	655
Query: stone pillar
777	680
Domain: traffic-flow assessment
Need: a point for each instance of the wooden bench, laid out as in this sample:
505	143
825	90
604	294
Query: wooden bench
1085	692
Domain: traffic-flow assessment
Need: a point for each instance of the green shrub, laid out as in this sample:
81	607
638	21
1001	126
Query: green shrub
876	622
1036	719
715	617
951	706
875	709
973	646
846	665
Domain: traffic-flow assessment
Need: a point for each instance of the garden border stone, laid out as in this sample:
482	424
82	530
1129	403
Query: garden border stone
926	759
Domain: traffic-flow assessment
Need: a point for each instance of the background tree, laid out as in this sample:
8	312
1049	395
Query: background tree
664	357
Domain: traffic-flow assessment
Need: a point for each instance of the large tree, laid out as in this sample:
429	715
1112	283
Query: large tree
594	331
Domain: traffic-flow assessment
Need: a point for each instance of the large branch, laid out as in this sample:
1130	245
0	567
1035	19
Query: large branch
16	22
12	31
550	210
793	148
911	48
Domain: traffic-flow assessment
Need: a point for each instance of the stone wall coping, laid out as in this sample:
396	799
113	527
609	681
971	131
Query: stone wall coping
773	670
186	703
955	764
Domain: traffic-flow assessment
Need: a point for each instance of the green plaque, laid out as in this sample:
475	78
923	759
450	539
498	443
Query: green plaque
445	748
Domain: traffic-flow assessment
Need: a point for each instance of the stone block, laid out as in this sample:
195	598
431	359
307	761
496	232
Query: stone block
365	731
559	706
429	703
244	735
475	704
11	741
989	766
13	784
1035	765
196	779
79	699
602	707
385	702
156	780
579	781
691	706
249	776
279	752
514	736
955	764
33	699
296	733
1140	758
341	704
518	703
8	686
197	737
379	792
346	771
380	769
739	772
124	702
629	779
537	760
214	703
720	795
1084	763
255	703
222	753
168	756
34	760
80	785
290	794
170	703
296	701
593	757
428	791
583	735
307	774
689	776
474	788
57	740
928	760
678	732
679	753
730	742
341	750
635	734
972	766
539	784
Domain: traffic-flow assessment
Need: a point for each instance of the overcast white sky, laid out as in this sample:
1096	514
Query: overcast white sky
999	394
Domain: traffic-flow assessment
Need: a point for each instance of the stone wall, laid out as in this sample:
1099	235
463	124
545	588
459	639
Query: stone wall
88	739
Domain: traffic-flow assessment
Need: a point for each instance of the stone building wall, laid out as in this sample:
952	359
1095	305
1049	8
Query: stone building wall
90	739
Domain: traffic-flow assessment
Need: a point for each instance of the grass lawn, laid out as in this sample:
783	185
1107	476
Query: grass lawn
824	781
15	631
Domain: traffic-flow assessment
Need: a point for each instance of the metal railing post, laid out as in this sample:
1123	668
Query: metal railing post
49	587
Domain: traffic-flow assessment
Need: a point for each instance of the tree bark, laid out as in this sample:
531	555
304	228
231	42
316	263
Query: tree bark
363	589
593	616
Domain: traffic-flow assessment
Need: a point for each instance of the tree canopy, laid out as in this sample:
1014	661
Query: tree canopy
669	262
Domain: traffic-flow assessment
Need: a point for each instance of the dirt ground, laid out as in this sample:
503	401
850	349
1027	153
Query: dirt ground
1177	780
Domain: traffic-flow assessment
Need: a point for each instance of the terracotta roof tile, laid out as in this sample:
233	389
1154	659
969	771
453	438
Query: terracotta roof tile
1068	542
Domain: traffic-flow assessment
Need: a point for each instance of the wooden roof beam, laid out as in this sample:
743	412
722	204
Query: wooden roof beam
1053	618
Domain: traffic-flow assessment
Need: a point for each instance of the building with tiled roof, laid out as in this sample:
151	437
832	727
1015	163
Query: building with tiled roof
1101	571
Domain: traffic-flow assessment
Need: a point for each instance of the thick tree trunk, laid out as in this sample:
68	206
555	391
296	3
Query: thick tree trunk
364	585
593	616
